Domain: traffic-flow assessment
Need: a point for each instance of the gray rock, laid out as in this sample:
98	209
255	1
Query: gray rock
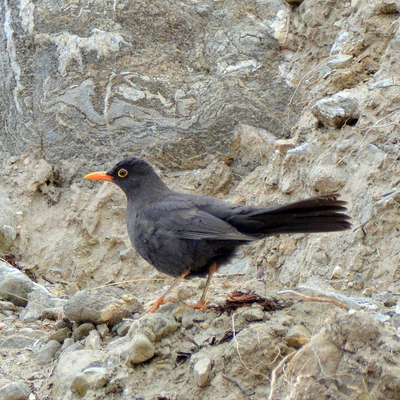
46	353
8	224
25	338
93	340
72	363
254	313
39	304
60	335
82	331
140	349
337	110
122	328
15	391
107	304
90	378
340	61
67	343
177	105
201	371
103	330
7	305
193	317
155	326
15	286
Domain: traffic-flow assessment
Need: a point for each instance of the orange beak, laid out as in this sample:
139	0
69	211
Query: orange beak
99	176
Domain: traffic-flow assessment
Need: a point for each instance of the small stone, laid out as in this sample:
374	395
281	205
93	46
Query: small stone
201	371
93	340
90	378
337	272
82	331
60	335
52	313
123	328
18	342
71	363
302	149
389	301
296	341
103	330
63	323
7	305
67	342
126	254
340	61
283	145
15	391
254	313
38	302
184	293
14	285
155	326
103	305
368	291
180	311
47	352
337	110
141	349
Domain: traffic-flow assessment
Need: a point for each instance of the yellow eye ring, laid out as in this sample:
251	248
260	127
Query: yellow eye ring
122	173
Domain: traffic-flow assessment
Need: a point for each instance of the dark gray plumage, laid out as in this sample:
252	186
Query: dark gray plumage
179	233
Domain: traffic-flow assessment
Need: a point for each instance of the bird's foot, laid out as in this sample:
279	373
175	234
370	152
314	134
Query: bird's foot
199	306
157	304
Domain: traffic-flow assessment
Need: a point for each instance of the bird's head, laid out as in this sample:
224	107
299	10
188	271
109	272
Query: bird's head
132	175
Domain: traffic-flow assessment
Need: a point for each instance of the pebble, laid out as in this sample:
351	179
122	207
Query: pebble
82	331
283	145
93	340
21	341
155	326
103	330
60	335
90	378
185	292
67	343
337	110
72	363
38	301
14	285
103	305
254	313
15	391
337	272
8	224
7	305
141	349
46	353
201	371
122	328
340	61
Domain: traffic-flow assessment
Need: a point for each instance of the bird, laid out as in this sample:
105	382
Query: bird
183	234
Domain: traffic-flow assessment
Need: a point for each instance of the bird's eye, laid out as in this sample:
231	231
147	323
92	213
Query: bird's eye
122	173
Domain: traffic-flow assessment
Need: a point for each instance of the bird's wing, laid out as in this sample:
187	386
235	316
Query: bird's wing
191	223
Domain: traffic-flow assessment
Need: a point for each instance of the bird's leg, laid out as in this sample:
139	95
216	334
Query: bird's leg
161	300
202	301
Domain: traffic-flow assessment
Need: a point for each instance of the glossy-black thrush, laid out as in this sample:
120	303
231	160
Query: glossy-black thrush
181	234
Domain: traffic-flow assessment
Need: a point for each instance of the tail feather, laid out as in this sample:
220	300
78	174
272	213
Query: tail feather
317	214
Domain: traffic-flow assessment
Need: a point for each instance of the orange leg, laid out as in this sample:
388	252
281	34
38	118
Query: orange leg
202	302
162	300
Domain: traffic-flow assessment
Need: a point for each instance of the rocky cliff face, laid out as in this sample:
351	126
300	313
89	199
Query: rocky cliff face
255	102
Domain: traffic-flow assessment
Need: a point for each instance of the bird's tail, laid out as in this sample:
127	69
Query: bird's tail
317	214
